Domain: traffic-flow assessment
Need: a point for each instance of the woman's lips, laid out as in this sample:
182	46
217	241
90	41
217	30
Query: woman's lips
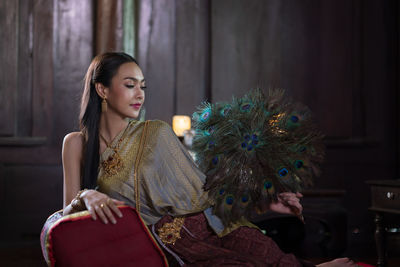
136	106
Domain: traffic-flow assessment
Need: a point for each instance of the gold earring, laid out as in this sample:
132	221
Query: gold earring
104	105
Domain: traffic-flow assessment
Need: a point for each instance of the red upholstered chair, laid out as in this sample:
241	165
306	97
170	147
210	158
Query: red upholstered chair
78	240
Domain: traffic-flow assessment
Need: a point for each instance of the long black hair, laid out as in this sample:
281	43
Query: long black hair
102	69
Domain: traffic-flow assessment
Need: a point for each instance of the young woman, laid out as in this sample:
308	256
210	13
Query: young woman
115	160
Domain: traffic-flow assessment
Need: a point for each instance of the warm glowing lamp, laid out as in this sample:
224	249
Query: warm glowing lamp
180	124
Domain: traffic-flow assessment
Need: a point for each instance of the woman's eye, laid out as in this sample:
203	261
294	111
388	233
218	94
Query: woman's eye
130	85
143	87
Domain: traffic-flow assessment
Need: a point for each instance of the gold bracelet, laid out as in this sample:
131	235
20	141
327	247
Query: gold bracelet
77	203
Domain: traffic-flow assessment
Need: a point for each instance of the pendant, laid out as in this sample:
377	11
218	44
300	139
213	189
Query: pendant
113	164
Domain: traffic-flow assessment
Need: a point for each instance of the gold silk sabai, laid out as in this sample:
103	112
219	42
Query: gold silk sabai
169	181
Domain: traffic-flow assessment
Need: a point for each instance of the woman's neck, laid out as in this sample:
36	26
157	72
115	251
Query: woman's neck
111	125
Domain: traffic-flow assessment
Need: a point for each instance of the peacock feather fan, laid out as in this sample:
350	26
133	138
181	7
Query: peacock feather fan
252	149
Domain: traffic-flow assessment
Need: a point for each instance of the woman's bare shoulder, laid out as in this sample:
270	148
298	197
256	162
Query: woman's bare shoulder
73	140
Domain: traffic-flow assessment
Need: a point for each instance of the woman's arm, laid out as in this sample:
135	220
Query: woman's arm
71	159
96	203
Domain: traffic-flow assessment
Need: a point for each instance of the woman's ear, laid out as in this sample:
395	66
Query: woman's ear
101	90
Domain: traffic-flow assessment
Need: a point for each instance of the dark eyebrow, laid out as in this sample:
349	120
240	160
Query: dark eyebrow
134	79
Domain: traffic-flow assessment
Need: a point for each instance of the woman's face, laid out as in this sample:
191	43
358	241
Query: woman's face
126	93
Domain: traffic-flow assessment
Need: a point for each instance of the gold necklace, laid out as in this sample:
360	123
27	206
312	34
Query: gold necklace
114	163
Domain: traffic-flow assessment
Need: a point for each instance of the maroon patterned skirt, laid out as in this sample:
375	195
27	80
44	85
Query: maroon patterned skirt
193	243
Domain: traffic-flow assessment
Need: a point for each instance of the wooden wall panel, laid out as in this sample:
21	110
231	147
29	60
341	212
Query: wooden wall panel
55	47
304	47
25	52
317	54
246	49
8	65
109	25
42	95
192	54
73	50
156	56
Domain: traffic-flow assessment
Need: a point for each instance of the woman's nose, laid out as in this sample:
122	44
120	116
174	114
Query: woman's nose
140	95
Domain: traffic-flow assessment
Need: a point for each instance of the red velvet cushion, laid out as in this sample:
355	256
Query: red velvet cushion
78	240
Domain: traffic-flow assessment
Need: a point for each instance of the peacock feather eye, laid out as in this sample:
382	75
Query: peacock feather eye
283	172
254	139
293	122
221	191
250	141
208	131
294	119
211	144
245	199
205	115
229	200
245	107
225	110
215	160
298	164
267	185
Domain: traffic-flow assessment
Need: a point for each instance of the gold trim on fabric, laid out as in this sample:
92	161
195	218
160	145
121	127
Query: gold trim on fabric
137	162
169	233
242	222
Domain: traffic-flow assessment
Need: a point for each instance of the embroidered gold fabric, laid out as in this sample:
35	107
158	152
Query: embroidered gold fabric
168	180
169	233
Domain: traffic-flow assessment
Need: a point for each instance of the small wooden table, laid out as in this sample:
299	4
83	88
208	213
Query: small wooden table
385	198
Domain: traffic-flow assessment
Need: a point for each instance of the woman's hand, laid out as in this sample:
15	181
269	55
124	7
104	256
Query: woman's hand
288	203
99	204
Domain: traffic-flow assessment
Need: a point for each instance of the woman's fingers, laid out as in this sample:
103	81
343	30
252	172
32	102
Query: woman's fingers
291	195
92	212
114	207
101	214
288	196
292	200
108	213
116	202
100	205
296	205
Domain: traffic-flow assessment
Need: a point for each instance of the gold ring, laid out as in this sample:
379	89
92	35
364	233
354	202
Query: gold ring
101	205
108	201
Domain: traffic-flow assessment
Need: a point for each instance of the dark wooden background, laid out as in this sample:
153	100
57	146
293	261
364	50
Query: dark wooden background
340	57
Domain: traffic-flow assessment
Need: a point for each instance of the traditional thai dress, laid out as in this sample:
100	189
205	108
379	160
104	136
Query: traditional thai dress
157	175
160	178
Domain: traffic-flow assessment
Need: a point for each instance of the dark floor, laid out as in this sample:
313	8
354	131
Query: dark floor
21	256
31	256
